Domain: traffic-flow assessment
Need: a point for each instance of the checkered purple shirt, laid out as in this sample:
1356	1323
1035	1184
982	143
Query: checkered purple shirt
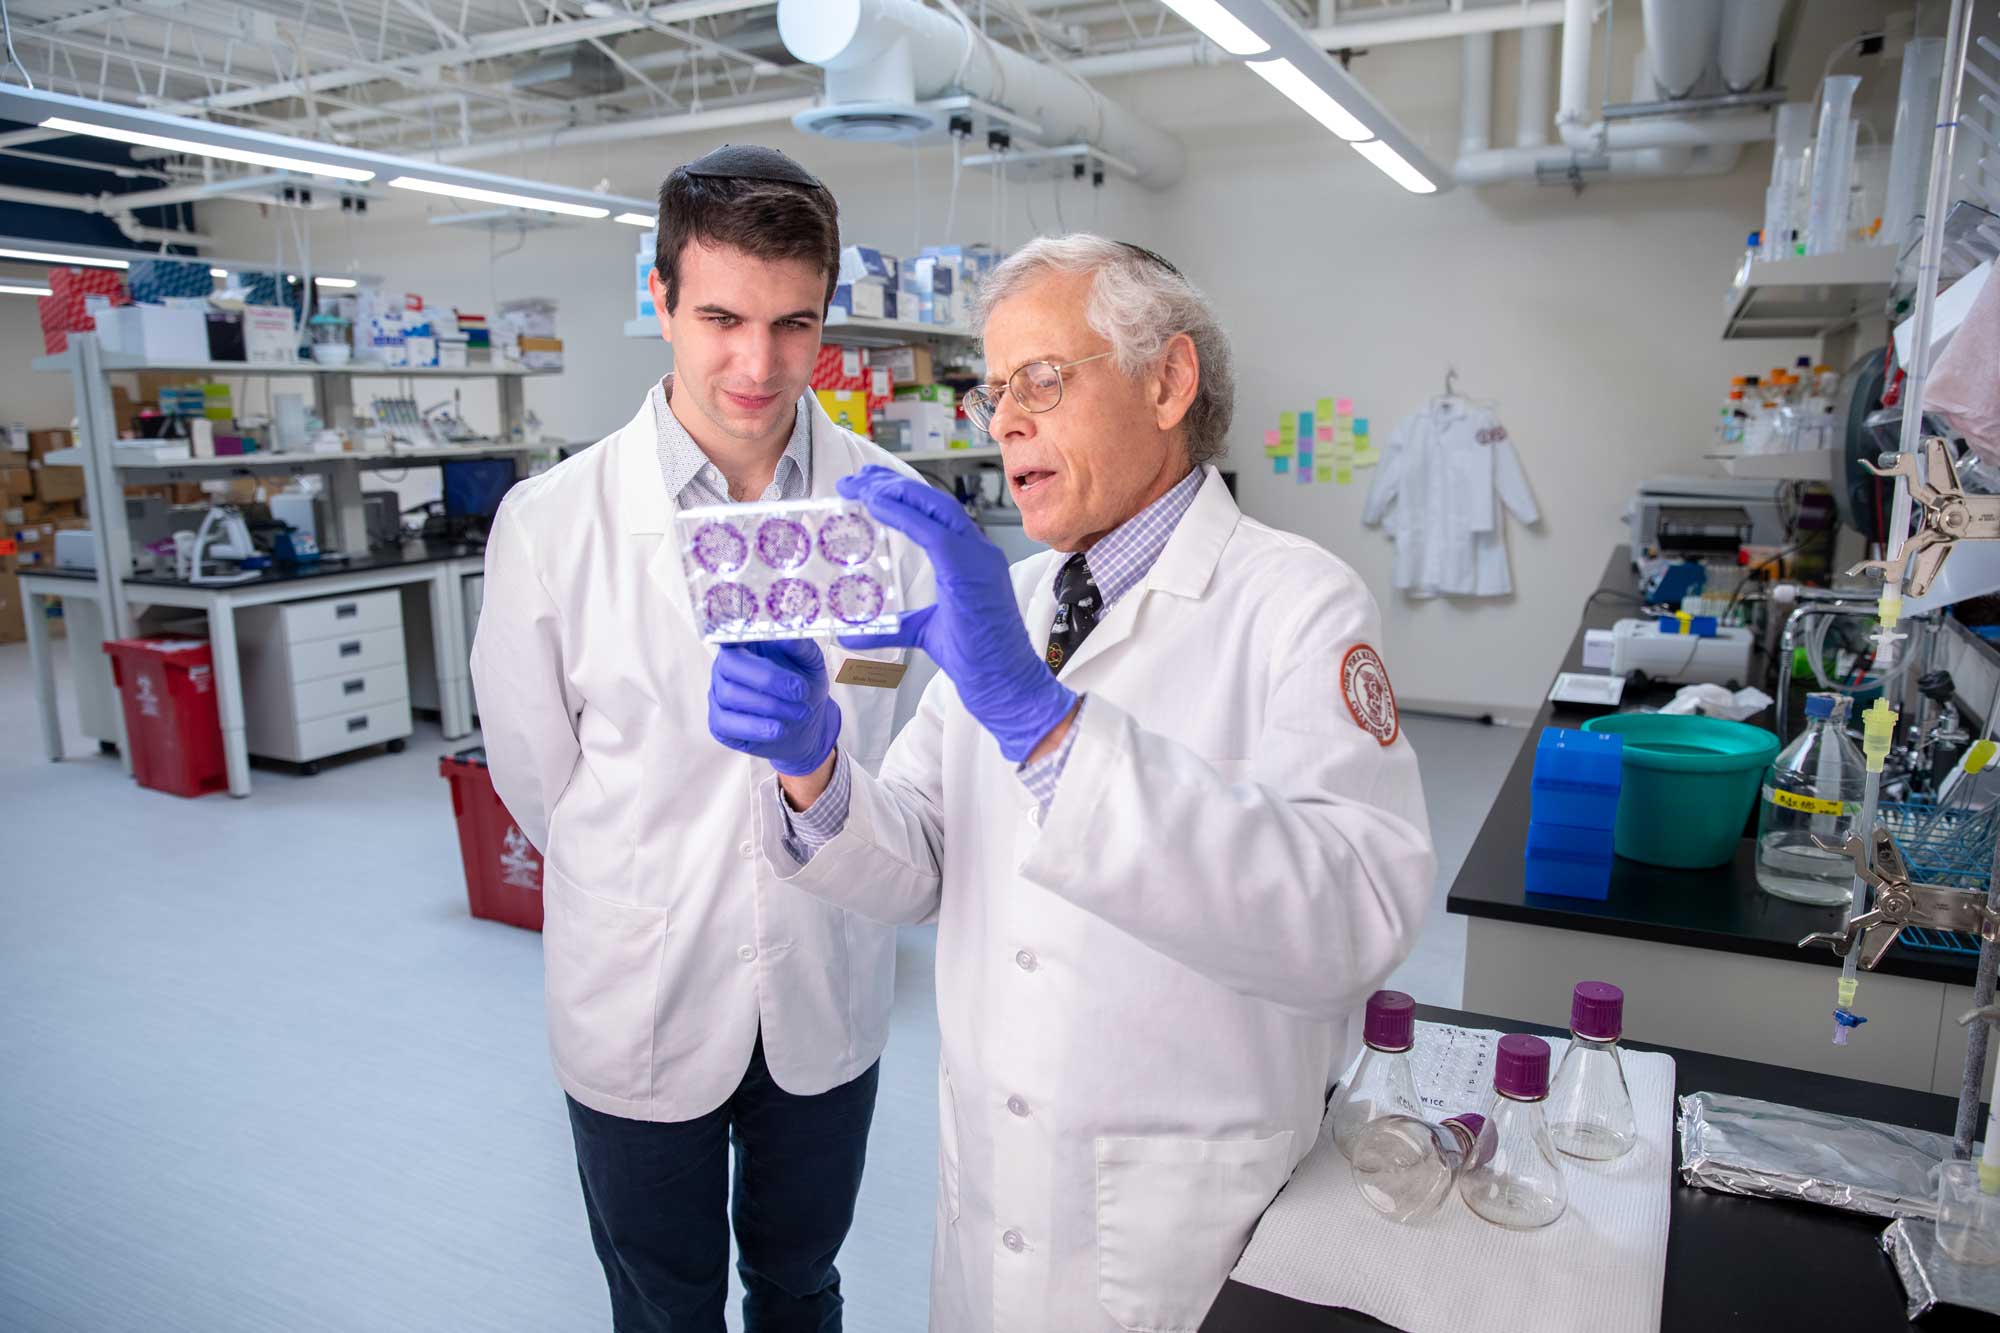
1117	563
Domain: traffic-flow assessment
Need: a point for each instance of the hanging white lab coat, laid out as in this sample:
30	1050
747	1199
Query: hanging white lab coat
667	941
1437	486
1144	996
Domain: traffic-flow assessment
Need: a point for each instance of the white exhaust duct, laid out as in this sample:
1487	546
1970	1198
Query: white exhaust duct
1749	31
1673	20
883	57
1680	39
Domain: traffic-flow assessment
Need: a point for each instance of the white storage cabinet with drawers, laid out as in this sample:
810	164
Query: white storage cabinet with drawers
324	677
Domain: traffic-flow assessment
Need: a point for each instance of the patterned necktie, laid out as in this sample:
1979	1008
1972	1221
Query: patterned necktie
1077	608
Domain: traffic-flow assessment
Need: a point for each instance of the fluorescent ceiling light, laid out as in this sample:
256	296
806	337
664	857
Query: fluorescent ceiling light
218	273
333	282
1392	165
1312	99
497	197
81	261
635	219
14	289
1220	26
199	149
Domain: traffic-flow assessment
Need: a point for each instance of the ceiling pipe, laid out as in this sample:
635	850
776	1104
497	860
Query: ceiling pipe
1680	43
1749	31
1475	93
1532	89
650	127
1595	137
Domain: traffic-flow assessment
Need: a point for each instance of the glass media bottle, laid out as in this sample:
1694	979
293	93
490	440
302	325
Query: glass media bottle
1811	795
1515	1179
1382	1083
1590	1108
1404	1167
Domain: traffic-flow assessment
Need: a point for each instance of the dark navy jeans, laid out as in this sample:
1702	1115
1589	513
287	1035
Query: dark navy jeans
661	1205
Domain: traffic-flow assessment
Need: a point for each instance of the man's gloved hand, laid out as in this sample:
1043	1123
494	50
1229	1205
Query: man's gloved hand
770	700
974	631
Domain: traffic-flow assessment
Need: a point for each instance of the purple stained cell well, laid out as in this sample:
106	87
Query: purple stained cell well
719	547
846	539
783	543
792	603
854	599
728	605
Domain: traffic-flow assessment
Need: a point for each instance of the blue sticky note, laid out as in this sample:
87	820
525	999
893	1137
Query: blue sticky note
1306	459
1361	425
1281	464
1305	425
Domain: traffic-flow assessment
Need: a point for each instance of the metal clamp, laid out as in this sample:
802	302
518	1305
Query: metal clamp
1898	903
1948	515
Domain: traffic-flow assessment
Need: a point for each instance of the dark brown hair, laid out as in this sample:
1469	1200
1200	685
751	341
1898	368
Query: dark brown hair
772	220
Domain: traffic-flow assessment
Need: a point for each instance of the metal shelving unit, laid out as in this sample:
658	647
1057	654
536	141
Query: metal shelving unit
1815	296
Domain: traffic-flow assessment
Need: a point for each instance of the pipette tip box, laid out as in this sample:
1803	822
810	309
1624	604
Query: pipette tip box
1569	862
1577	778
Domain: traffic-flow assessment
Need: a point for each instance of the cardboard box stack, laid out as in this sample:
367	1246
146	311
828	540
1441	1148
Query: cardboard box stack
36	502
526	334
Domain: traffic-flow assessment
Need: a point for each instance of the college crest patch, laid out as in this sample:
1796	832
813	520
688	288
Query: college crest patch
1364	682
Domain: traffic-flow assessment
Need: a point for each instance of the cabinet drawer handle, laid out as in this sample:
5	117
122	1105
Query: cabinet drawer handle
346	610
358	723
353	686
352	648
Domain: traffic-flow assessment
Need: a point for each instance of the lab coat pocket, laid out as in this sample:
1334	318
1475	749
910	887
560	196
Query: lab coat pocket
1173	1216
602	961
947	1147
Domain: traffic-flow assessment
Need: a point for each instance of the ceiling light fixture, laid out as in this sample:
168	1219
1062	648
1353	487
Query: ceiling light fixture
485	196
81	261
635	219
218	273
1220	26
333	282
1392	165
21	289
1310	98
225	152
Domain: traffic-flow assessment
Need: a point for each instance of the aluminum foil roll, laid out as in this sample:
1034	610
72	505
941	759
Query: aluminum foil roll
1738	1145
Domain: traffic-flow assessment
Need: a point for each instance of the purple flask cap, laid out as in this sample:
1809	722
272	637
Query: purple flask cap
1390	1021
1521	1067
1597	1011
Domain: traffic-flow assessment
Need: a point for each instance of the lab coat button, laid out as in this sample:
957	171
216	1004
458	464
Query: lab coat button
1025	960
1017	1106
1012	1240
745	850
746	953
1035	815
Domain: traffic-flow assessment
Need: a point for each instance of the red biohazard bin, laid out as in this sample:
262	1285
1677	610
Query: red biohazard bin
171	721
503	872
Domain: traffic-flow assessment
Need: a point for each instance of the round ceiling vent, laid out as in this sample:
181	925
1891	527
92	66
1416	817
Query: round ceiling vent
868	122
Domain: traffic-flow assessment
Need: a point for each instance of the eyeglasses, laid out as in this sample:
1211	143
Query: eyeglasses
1037	387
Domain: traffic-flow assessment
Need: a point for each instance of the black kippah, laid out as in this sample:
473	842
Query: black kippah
750	162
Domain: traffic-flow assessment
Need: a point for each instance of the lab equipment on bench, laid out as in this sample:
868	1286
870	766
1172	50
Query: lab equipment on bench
1809	801
1515	1180
789	569
1590	1107
402	420
1689	784
1404	1166
1722	658
1382	1083
222	536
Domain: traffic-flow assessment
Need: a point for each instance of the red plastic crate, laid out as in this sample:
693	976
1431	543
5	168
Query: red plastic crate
171	721
503	871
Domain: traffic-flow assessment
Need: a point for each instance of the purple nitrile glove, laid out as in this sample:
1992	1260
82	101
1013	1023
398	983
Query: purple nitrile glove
973	631
770	700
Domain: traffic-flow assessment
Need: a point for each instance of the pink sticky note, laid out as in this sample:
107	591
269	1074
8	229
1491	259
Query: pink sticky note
1270	437
1325	434
1345	407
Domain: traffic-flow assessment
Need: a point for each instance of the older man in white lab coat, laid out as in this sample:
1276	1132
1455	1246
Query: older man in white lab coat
1165	873
697	1007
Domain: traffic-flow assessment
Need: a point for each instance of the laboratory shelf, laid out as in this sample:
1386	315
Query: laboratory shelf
1802	465
120	361
949	455
1810	296
291	462
851	332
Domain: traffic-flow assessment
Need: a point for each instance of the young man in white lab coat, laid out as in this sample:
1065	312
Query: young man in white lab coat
694	1001
1159	804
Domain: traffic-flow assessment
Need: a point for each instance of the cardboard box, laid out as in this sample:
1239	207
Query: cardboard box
858	263
907	365
155	332
42	443
870	298
13	603
847	407
16	482
932	425
58	483
269	335
928	393
14	440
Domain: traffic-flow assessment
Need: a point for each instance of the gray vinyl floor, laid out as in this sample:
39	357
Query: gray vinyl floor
260	1071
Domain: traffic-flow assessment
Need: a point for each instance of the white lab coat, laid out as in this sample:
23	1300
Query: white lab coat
1437	484
1144	997
667	941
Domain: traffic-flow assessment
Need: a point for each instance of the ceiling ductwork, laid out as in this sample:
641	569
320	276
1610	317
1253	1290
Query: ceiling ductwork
885	58
569	74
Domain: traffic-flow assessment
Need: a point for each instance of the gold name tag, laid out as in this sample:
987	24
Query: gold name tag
867	671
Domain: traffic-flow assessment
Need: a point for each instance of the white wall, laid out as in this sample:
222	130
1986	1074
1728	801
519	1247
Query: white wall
36	400
1592	322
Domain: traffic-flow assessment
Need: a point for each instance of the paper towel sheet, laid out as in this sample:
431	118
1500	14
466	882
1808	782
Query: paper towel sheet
1600	1267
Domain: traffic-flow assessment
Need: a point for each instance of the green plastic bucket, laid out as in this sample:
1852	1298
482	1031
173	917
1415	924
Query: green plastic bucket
1689	786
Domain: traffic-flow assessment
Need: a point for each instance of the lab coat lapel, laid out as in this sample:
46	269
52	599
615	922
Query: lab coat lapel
1182	570
646	511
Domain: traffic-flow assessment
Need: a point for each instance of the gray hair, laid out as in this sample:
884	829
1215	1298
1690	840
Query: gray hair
1138	304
